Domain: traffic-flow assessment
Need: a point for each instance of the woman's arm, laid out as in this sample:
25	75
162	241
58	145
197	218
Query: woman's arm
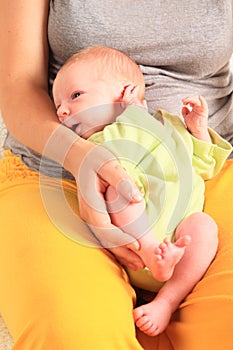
29	113
25	104
24	100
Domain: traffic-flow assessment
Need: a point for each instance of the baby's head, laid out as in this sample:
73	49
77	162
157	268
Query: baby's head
95	76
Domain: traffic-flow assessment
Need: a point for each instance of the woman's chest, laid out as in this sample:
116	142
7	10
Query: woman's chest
154	33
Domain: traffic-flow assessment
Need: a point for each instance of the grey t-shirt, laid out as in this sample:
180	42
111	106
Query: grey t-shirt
182	47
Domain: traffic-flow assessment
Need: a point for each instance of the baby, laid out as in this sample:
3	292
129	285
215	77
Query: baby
105	77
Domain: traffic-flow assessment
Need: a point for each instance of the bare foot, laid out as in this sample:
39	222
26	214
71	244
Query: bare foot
166	256
153	317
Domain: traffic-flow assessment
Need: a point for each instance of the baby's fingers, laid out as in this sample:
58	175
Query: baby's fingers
192	101
185	111
114	174
195	100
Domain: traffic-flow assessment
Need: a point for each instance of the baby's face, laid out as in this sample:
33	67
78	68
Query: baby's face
84	102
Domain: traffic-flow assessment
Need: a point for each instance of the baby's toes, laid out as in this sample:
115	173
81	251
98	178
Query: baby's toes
158	253
144	323
153	330
163	247
137	313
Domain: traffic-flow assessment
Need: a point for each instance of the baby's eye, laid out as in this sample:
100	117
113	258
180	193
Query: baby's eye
75	95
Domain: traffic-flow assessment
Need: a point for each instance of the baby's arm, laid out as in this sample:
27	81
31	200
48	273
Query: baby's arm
195	113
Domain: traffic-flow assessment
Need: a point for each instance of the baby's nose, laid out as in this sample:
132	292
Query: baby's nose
63	112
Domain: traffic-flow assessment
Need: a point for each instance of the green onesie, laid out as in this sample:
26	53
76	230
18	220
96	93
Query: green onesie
168	165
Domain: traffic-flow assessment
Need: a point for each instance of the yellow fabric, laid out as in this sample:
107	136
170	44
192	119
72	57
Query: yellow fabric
57	294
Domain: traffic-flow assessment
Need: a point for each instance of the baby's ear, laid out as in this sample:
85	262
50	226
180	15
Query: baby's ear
128	88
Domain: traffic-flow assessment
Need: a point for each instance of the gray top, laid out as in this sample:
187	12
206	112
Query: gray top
183	48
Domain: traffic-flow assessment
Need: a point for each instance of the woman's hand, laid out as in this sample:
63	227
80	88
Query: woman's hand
98	169
94	169
127	257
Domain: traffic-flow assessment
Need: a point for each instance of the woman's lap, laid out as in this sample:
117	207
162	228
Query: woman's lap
57	291
204	319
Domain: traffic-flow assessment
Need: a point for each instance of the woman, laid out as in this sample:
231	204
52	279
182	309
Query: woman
73	296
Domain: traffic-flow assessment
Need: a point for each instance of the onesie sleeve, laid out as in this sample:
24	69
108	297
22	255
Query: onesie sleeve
209	157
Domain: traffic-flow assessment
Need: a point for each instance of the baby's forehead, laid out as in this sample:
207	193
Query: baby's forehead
58	85
68	67
65	71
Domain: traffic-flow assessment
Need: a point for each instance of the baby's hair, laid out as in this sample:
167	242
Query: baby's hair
111	63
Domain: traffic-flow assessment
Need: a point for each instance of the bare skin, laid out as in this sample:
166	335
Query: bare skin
153	318
159	257
164	256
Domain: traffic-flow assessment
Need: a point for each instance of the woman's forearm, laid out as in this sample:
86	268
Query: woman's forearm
31	118
29	115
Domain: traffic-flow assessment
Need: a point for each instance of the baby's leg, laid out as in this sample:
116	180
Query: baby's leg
154	317
160	258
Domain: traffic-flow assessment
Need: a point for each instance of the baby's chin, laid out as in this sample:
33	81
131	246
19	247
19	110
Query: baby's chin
78	129
86	134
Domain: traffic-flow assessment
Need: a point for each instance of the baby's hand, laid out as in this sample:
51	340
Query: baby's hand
130	97
195	113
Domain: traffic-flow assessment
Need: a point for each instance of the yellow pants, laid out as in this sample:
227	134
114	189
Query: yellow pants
56	294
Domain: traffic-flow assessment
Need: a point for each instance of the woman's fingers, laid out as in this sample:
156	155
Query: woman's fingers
114	174
128	258
111	236
99	222
100	169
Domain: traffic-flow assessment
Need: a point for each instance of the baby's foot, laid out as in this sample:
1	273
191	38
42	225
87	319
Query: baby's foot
166	256
154	317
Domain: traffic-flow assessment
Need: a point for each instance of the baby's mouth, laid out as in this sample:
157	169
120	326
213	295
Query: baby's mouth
74	127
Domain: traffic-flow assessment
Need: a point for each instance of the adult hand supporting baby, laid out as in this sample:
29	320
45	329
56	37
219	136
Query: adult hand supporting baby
101	168
94	169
